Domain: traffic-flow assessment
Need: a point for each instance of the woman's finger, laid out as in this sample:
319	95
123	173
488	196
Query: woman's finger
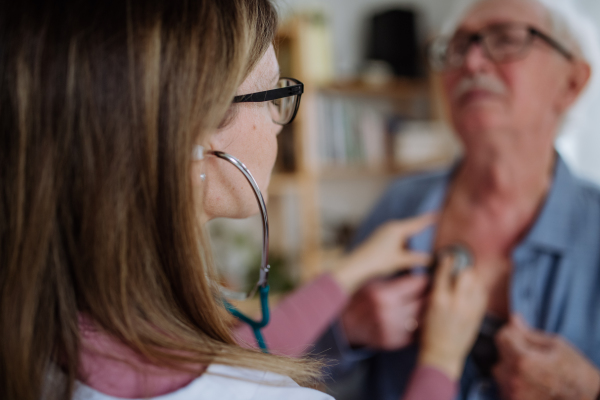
411	226
408	259
443	274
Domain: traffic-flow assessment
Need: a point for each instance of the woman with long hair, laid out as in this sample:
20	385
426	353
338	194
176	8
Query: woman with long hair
106	281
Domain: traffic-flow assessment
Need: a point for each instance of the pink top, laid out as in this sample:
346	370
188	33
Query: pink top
301	318
132	380
295	324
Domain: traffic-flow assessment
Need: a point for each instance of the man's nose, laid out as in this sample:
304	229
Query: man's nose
476	59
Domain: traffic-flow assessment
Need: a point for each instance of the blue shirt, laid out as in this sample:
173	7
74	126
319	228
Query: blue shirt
555	282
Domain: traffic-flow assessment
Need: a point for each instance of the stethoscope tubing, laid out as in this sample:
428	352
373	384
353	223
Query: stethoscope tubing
264	266
262	284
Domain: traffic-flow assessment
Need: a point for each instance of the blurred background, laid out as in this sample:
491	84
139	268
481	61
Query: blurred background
371	112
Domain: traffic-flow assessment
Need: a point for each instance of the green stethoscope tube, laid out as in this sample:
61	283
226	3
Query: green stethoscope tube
255	325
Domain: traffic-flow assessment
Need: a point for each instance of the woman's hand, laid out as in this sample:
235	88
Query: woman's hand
453	317
382	254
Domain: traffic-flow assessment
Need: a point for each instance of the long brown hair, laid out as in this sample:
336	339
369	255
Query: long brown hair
100	105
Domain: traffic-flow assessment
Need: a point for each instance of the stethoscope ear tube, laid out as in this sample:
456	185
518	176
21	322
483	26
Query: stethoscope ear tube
262	284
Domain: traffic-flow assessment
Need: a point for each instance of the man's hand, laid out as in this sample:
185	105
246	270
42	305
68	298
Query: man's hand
535	365
385	314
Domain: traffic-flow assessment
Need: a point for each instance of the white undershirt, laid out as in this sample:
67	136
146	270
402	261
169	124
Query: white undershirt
221	382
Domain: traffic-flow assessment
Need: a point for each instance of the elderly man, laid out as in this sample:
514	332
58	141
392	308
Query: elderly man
510	73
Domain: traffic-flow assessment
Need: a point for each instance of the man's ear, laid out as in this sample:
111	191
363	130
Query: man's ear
579	75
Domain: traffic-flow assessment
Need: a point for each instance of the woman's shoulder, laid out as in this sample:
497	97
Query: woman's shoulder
260	384
224	382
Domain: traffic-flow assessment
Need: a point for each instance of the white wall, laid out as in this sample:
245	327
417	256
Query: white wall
348	19
583	143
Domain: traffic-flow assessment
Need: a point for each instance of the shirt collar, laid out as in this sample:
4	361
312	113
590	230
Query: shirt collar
551	229
432	202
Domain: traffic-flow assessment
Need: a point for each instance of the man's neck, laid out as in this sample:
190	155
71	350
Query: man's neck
496	181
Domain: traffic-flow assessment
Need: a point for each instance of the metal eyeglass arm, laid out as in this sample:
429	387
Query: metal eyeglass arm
262	284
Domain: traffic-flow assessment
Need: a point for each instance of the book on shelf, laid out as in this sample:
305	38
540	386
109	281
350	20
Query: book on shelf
368	135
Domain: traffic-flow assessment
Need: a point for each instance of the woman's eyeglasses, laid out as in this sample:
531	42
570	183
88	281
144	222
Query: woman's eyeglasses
500	43
283	101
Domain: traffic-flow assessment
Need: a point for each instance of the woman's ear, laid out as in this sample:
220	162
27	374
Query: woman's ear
198	153
219	138
229	116
578	77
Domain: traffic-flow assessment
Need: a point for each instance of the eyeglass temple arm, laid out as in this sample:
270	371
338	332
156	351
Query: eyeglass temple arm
273	94
552	42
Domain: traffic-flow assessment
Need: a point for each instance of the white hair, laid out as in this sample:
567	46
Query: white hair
576	32
567	25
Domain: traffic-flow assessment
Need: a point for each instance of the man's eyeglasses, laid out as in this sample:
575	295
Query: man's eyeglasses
283	101
500	43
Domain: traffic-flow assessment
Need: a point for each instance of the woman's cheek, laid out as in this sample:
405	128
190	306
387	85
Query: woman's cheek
273	156
265	142
252	138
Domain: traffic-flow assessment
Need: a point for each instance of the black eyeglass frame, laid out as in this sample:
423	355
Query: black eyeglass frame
477	37
275	94
552	42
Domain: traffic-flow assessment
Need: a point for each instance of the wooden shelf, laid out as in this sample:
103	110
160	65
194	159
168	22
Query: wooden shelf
364	172
410	98
282	183
349	173
395	89
434	163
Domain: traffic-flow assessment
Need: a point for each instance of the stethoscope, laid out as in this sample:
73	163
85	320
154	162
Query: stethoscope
262	285
462	255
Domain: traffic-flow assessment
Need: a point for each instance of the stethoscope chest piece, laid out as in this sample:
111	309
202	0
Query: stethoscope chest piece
462	257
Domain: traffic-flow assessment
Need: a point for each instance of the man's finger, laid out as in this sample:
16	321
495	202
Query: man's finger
539	340
502	374
412	309
511	343
533	337
406	287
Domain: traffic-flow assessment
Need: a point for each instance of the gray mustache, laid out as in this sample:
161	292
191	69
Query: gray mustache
479	82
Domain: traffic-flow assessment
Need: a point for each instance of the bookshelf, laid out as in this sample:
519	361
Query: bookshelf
293	190
347	133
348	141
